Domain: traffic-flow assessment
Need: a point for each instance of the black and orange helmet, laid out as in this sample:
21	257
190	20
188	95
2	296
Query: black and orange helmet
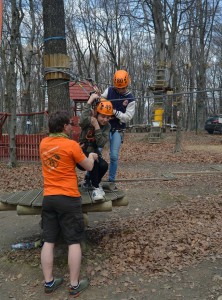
121	79
105	107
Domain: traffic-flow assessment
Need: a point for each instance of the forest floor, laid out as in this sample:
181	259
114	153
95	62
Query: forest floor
166	244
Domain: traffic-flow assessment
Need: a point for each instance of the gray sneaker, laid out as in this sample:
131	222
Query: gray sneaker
75	292
101	189
97	195
52	288
113	186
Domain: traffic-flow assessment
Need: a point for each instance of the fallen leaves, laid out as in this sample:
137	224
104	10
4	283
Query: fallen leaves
24	177
135	151
159	242
145	243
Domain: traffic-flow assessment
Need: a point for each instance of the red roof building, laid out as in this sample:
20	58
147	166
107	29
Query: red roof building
79	92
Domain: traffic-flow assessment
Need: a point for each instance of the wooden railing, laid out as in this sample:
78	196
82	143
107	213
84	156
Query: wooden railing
27	145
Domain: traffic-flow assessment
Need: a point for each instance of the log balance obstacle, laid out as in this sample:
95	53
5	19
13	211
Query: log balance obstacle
30	202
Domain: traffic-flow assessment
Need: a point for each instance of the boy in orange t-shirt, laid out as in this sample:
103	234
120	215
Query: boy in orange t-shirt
59	156
61	207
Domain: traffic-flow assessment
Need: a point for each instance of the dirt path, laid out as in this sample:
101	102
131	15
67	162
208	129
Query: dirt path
160	214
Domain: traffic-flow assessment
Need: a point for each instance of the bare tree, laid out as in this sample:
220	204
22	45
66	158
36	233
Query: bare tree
87	51
11	79
26	53
205	12
105	35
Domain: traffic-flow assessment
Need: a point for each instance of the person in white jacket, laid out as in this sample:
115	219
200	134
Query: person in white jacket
124	109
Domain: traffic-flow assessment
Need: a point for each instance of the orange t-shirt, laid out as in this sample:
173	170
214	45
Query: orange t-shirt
59	156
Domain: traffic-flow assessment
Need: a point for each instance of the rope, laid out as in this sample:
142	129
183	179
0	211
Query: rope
56	70
54	38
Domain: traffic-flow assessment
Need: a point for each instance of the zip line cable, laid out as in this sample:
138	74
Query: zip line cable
146	97
77	80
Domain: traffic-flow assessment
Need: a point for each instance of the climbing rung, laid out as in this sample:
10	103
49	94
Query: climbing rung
155	134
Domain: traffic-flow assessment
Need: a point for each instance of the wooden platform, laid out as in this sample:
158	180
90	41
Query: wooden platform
30	202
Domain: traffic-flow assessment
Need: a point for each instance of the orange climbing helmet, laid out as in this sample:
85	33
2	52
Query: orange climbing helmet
105	107
121	79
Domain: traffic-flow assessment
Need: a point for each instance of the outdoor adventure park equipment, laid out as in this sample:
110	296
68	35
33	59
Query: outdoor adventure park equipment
159	89
30	202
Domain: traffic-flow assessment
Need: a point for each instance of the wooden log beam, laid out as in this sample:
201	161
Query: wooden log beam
5	206
97	207
140	179
85	220
218	168
196	172
28	210
169	176
121	202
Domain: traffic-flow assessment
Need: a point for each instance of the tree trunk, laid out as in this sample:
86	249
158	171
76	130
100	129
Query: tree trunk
178	144
55	43
26	55
11	82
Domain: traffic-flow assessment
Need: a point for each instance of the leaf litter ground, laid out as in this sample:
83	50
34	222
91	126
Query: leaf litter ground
151	249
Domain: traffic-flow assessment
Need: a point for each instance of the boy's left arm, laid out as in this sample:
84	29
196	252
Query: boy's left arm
129	113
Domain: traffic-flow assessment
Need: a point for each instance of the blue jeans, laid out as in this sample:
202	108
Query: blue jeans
115	143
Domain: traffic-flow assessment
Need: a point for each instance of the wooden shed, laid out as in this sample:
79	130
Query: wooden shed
79	92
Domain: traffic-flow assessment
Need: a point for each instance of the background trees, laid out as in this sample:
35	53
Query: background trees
102	36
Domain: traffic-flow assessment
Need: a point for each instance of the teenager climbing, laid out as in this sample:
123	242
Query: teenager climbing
94	122
123	109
